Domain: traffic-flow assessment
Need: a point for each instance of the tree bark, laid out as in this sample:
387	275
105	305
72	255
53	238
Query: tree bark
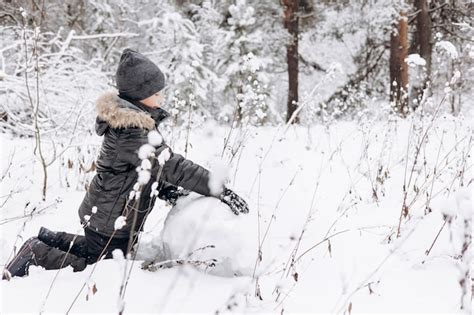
398	65
423	41
292	25
423	25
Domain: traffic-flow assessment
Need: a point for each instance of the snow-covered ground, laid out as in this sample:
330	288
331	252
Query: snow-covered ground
325	208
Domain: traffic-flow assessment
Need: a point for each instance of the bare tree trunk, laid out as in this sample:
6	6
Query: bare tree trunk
423	41
292	56
398	65
423	24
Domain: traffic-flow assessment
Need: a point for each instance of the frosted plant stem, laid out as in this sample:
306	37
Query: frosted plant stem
236	148
436	238
227	139
259	250
98	36
188	131
273	217
465	162
237	167
10	162
56	275
283	129
290	264
463	169
405	210
29	215
446	165
370	275
12	254
325	239
181	262
91	273
35	107
427	207
126	277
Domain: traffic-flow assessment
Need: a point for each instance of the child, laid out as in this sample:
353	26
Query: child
124	120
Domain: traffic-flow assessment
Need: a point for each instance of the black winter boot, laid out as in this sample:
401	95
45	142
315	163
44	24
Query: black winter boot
18	266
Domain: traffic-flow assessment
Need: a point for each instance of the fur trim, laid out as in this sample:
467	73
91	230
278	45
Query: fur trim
110	110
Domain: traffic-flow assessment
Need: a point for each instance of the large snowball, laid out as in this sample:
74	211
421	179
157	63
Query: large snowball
198	222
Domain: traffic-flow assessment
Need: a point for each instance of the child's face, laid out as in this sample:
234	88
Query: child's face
154	101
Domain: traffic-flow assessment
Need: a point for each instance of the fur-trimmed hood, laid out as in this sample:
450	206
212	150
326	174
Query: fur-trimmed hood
115	112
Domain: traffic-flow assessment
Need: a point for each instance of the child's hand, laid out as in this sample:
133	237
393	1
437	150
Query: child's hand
235	202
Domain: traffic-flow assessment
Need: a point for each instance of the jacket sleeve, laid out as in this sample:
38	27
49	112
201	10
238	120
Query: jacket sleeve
182	172
177	170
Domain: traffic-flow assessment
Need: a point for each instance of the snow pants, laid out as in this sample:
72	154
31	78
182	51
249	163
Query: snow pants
63	249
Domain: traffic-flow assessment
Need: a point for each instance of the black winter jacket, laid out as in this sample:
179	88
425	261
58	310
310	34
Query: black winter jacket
125	126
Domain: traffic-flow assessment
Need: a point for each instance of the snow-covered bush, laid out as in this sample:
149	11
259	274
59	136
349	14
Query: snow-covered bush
62	86
353	36
245	62
181	53
252	99
77	165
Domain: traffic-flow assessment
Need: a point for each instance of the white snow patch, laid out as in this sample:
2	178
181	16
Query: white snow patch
143	177
218	177
154	138
146	164
164	156
455	78
414	60
120	222
204	228
117	254
344	200
154	189
146	151
449	48
458	204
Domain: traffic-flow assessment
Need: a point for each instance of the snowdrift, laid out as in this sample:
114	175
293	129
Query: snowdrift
204	229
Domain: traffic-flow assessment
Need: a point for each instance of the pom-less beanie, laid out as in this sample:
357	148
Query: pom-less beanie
137	76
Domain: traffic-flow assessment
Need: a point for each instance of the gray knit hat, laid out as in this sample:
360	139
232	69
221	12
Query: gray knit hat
137	76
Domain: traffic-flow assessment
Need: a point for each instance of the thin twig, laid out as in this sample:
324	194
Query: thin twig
436	238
